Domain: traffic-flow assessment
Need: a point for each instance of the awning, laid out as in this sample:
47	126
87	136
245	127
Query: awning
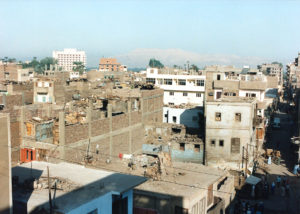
253	180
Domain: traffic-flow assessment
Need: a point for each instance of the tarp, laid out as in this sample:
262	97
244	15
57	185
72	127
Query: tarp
253	180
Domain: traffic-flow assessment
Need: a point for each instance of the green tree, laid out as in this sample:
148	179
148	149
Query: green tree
153	63
39	66
194	67
79	66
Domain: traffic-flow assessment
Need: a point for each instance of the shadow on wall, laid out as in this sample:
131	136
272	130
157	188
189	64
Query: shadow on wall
193	119
22	181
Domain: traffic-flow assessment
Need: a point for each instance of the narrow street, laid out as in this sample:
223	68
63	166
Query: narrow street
279	139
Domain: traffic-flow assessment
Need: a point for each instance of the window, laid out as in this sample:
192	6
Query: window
182	146
174	119
200	82
218	77
221	143
197	147
171	104
150	80
212	142
238	117
171	93
182	82
253	95
184	94
198	94
218	116
168	81
235	145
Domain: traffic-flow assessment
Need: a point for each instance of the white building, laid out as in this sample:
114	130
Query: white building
179	87
67	57
230	132
183	94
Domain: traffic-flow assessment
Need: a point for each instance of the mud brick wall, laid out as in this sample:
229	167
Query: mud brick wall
136	117
74	133
75	155
120	144
138	135
153	105
120	121
12	100
100	127
28	97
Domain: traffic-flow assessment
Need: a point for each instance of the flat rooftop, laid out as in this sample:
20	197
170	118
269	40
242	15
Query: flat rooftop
87	184
184	179
234	100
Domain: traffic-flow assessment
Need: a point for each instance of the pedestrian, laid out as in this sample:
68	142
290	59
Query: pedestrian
284	180
287	190
278	181
273	188
282	191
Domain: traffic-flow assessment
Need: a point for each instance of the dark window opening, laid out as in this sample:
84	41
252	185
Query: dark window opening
182	146
197	147
176	130
212	142
120	205
221	142
218	77
174	119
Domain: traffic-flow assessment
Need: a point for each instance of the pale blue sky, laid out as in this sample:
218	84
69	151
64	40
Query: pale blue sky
267	29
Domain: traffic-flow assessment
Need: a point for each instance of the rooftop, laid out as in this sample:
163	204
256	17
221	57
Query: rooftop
86	184
184	179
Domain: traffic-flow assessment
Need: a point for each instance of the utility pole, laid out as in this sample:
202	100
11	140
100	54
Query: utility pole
50	200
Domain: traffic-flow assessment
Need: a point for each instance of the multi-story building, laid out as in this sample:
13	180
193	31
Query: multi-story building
68	56
111	64
244	83
230	132
275	69
183	95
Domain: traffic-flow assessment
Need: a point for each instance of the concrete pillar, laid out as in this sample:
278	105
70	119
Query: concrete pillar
51	67
61	128
22	123
4	100
142	109
109	115
49	110
130	132
23	98
89	118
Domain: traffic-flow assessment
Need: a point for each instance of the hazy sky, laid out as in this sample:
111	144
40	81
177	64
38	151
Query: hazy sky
264	29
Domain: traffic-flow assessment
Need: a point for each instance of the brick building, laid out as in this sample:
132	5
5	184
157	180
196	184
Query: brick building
111	64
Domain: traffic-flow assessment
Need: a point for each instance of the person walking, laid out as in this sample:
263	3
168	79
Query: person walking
273	188
278	181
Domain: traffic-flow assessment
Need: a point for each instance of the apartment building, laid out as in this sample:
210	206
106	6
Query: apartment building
68	56
272	70
183	94
230	132
111	64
